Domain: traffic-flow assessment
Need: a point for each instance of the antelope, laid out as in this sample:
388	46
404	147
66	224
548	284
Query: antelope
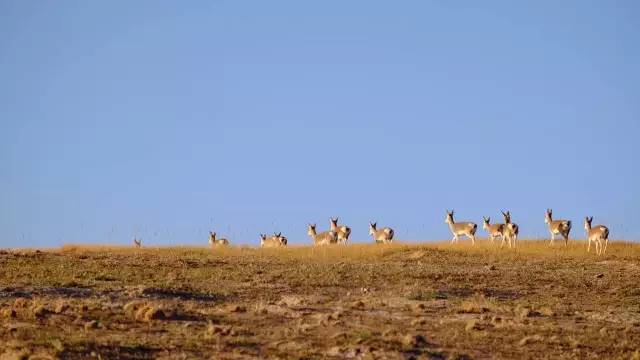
461	228
598	234
384	235
213	241
137	243
511	230
323	238
276	240
493	230
562	227
343	231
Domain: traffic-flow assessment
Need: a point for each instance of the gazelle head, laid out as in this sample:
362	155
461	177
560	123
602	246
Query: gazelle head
449	218
311	230
587	223
263	237
547	216
372	227
137	242
212	237
334	222
486	221
507	217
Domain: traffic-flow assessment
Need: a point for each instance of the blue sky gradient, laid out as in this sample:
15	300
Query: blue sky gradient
164	119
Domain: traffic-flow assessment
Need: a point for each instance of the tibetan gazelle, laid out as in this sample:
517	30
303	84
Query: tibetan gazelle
511	230
137	243
493	230
599	234
562	227
323	238
384	235
343	231
213	241
461	228
276	240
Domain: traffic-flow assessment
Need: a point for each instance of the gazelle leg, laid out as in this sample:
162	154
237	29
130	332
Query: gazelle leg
453	239
566	239
589	242
553	237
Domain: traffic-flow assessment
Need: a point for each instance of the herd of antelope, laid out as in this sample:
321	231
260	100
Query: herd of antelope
507	232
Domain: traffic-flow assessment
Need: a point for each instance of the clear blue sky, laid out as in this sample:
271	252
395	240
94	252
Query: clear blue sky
165	119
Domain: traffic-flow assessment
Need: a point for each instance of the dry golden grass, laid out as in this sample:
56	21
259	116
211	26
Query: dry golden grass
362	301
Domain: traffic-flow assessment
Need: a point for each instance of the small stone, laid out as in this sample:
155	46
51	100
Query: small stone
419	321
472	325
414	340
237	309
40	311
61	307
358	304
599	276
529	340
93	324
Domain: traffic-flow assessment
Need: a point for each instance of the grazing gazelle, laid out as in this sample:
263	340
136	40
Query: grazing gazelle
343	231
276	240
461	228
384	235
599	234
323	238
137	243
493	230
511	230
213	241
562	227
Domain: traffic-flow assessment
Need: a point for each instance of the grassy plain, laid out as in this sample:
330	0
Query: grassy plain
436	301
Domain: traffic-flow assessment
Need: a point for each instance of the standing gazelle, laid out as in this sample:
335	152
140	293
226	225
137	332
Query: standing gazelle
384	235
493	230
461	228
276	240
511	230
343	231
599	234
562	227
323	238
213	241
137	243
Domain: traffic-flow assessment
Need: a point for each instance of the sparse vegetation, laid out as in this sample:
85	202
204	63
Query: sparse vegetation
371	301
